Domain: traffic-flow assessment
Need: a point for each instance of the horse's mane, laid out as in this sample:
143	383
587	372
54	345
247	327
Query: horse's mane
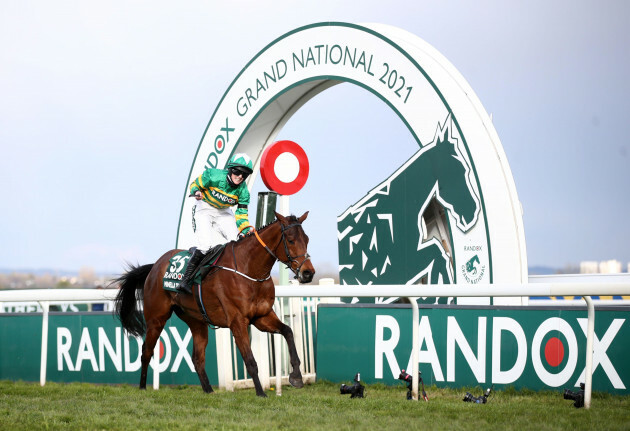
291	218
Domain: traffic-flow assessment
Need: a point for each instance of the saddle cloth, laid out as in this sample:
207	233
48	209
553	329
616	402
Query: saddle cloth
179	262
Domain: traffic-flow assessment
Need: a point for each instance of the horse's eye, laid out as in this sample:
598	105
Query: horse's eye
291	241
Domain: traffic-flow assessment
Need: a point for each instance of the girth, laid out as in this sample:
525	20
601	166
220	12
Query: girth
202	308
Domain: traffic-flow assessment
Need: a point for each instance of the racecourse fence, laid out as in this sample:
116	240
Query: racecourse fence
297	306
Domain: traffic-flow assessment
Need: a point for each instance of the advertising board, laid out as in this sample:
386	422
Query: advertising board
92	347
522	347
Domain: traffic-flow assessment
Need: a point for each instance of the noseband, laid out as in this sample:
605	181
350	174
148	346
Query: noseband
290	259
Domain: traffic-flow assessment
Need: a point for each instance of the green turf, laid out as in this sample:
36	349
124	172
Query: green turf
317	406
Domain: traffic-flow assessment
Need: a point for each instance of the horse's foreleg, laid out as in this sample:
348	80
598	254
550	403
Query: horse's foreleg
271	323
241	337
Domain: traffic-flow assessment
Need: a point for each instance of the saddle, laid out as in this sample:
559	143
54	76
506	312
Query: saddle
208	262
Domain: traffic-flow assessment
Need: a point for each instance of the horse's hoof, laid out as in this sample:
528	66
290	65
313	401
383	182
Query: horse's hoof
296	382
262	395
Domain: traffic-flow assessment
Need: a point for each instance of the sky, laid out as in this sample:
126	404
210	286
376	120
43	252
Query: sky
103	106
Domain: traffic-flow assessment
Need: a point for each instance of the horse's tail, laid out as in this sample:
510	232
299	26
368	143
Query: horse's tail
130	293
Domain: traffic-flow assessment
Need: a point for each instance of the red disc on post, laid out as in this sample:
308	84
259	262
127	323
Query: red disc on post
284	167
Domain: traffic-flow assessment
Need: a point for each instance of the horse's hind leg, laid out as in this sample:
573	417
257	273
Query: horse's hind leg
154	329
271	323
199	332
241	337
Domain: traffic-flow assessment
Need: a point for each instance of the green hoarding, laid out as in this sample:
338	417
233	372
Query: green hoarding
523	347
20	346
92	347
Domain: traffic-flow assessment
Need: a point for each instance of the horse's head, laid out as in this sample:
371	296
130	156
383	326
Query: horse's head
455	190
294	252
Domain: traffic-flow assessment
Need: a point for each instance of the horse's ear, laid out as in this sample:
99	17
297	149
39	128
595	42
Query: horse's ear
446	132
447	137
301	219
280	217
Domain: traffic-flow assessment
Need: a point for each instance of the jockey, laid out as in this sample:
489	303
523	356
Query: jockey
216	190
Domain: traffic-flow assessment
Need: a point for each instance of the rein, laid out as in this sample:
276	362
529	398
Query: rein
259	280
290	259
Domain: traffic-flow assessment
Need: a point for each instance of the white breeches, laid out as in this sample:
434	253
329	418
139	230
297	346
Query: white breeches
212	226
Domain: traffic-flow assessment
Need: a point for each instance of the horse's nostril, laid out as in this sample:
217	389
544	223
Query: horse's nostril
307	276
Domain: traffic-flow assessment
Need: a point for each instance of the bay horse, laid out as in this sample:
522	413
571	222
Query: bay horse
236	293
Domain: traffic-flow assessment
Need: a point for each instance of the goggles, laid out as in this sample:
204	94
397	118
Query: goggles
238	172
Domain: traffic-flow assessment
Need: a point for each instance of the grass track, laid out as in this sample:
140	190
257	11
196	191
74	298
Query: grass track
318	406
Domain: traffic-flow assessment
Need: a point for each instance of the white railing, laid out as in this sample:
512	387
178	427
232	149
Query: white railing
621	286
579	278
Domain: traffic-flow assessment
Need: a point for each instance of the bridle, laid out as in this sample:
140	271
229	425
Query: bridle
290	259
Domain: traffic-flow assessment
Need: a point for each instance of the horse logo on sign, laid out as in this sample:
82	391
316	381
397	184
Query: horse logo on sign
472	265
383	238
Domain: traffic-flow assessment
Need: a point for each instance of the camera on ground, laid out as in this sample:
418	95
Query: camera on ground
404	376
482	399
356	390
577	397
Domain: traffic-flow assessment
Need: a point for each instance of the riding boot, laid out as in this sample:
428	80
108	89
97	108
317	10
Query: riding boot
185	284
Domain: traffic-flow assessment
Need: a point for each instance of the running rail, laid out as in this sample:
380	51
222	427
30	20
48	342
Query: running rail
47	296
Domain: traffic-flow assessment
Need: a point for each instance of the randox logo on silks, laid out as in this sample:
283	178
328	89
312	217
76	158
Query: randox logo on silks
401	232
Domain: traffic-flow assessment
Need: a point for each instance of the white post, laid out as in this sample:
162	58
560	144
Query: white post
588	372
415	346
329	282
296	310
44	356
224	359
156	365
156	371
287	321
309	318
325	282
277	338
260	349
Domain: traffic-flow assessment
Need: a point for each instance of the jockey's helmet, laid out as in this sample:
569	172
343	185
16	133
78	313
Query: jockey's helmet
241	162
